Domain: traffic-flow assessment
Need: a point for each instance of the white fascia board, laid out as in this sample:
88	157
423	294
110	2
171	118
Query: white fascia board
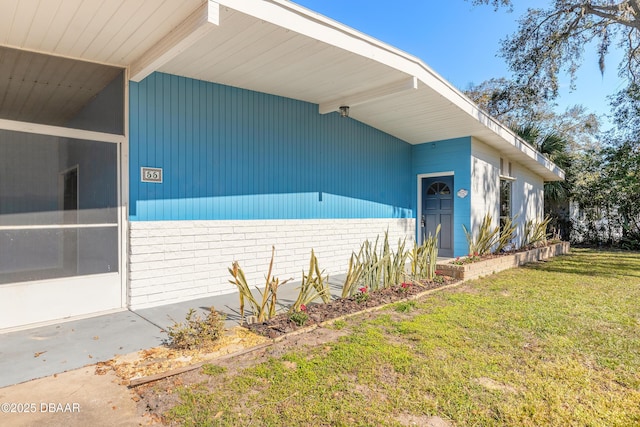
374	94
293	17
59	131
204	19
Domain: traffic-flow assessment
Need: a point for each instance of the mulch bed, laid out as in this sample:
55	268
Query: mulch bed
318	313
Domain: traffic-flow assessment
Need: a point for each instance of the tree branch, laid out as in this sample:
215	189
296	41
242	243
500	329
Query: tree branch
612	13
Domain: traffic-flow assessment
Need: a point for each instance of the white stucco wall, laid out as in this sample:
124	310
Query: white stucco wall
485	181
171	261
527	197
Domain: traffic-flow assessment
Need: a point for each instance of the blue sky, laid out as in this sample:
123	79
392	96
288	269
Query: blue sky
461	41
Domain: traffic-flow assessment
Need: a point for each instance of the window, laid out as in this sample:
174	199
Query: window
438	188
58	207
505	201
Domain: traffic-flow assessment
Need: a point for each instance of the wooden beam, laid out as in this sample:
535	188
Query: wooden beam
197	25
374	94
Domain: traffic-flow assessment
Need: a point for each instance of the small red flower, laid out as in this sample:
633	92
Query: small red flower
303	307
475	254
406	285
439	273
363	289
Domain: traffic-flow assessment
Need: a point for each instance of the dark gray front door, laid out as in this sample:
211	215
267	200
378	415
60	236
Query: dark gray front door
437	208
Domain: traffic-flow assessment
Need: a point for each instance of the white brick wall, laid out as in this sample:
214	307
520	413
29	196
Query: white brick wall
171	261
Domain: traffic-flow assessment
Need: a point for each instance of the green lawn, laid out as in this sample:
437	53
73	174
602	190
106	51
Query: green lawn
554	344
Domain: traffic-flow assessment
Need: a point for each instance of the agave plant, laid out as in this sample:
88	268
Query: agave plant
314	285
424	257
372	264
535	233
265	308
373	270
507	233
394	263
485	239
354	275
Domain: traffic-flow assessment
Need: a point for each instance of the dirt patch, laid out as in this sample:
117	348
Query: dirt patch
490	384
157	360
468	289
423	421
159	396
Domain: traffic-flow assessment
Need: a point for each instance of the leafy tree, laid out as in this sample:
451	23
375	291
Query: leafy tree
621	165
626	114
503	100
622	177
552	40
608	184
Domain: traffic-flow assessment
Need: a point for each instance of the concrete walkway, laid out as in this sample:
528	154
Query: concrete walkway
43	351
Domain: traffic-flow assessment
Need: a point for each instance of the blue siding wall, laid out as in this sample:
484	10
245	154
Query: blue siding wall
229	153
445	156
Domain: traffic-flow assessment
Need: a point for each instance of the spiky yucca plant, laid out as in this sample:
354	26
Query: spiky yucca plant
266	307
535	233
507	233
424	257
314	285
485	239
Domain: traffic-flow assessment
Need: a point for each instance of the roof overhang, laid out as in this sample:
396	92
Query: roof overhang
270	46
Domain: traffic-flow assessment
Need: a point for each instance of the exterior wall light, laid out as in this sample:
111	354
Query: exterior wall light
344	111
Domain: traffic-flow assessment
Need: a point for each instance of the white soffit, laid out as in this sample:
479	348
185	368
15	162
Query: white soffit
114	32
271	46
281	48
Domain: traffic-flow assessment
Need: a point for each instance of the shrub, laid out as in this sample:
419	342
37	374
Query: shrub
299	317
196	332
362	295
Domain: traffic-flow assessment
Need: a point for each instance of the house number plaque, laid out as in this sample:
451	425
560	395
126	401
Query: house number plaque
151	175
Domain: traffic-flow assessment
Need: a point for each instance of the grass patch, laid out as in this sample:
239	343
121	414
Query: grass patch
554	344
213	370
405	306
339	324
